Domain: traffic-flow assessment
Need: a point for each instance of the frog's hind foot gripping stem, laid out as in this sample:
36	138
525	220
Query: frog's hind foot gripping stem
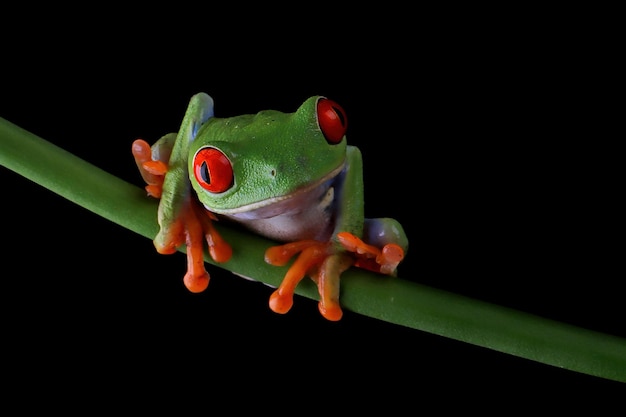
384	260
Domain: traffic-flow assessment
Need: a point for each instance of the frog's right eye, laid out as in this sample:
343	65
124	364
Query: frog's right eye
212	170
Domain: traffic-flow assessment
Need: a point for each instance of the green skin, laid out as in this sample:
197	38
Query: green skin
274	155
289	183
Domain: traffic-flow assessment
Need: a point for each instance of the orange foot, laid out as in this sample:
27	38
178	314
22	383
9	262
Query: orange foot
318	260
152	172
194	226
191	226
384	261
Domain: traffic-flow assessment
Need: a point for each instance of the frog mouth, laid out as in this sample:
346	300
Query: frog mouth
298	200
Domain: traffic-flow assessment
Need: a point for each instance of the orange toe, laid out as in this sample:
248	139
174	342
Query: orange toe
354	244
219	249
151	171
154	190
197	283
331	312
141	150
281	254
280	303
155	167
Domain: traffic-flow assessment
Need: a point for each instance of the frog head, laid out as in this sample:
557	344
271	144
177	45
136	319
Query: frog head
243	163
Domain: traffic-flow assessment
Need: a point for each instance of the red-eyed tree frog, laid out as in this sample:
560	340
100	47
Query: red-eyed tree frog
290	177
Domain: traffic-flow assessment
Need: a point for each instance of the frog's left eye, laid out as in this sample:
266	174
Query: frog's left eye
212	170
332	120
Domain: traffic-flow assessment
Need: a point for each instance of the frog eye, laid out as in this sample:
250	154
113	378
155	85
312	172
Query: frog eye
212	170
332	120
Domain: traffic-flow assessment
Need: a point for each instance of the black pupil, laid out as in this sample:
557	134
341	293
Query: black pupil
340	115
204	171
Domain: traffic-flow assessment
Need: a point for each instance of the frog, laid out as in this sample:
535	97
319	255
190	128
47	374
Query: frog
290	177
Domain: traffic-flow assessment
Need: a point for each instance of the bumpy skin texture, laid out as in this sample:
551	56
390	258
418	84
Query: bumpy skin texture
287	176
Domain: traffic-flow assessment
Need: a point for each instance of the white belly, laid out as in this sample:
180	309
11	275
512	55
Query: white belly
308	215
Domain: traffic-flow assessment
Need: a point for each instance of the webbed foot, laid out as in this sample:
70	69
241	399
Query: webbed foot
322	262
192	224
384	260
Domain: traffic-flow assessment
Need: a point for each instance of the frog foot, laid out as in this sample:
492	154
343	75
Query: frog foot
193	226
383	260
318	260
153	172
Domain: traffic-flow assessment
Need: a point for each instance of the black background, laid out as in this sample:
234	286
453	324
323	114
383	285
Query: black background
475	140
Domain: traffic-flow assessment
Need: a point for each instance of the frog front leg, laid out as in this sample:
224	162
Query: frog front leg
182	219
325	261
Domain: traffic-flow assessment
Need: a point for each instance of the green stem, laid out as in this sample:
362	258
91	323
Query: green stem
397	300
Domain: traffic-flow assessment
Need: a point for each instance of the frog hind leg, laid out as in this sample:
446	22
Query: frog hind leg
381	249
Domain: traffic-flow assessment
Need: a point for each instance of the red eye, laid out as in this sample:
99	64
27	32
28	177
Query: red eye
332	120
213	170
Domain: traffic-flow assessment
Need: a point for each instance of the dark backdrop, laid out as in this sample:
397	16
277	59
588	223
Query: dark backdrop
471	145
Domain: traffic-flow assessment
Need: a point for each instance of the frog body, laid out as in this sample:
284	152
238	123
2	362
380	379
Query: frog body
290	177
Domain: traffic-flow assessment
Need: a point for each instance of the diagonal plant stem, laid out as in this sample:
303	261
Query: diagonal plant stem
398	301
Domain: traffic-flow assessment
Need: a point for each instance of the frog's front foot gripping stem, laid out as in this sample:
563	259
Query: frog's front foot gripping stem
324	265
192	225
317	260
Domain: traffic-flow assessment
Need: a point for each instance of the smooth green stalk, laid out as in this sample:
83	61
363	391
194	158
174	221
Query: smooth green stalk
397	300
